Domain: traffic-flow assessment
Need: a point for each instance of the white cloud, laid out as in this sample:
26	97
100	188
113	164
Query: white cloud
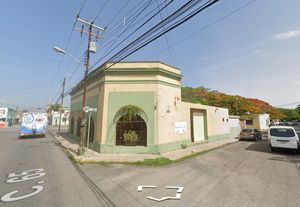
287	35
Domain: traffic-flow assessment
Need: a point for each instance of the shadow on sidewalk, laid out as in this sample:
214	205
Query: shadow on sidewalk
69	138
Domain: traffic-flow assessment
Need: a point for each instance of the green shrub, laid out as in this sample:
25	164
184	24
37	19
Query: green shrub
130	137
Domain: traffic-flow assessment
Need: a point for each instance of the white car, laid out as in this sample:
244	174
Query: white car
284	137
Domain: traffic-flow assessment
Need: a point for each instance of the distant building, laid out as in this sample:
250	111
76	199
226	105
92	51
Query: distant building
235	126
8	117
53	117
152	89
256	121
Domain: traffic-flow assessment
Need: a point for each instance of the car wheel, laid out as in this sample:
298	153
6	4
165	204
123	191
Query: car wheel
272	149
297	151
256	138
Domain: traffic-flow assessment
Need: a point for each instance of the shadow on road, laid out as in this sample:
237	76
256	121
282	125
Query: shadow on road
259	146
291	159
31	137
263	146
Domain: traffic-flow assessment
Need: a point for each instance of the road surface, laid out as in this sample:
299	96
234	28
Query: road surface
241	174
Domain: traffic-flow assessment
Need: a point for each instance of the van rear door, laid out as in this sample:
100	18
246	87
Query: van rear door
283	137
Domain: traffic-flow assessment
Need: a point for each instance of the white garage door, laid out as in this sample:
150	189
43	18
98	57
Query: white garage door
198	125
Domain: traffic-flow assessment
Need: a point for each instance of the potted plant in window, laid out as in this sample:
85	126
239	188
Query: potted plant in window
131	138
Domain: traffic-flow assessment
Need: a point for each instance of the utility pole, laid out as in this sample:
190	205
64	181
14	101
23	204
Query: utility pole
91	48
61	104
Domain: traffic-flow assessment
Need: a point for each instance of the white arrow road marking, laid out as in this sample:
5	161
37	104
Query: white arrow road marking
140	187
177	197
159	199
7	197
180	189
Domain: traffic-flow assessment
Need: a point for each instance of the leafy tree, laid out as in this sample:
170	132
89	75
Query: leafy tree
297	109
290	114
237	105
53	107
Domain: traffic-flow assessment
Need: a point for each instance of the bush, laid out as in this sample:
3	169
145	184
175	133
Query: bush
130	137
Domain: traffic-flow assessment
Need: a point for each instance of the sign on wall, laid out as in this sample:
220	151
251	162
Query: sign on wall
180	127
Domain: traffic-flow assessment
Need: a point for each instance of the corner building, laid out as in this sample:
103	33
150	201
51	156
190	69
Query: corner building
164	123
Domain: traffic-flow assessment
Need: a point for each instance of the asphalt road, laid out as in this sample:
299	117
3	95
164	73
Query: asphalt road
241	174
56	182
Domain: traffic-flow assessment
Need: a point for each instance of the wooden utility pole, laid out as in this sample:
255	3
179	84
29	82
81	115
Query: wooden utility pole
61	104
90	48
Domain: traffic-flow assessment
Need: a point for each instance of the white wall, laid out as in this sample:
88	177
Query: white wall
264	121
234	126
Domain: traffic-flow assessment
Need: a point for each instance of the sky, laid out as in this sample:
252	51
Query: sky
240	47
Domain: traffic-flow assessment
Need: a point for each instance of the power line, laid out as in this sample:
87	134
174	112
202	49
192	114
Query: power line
143	24
289	104
31	57
117	26
166	37
67	44
82	5
43	85
131	19
143	41
20	42
208	26
157	27
118	13
100	10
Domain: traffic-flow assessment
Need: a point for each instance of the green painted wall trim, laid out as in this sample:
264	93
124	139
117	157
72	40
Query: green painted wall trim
234	131
128	82
116	100
143	71
150	149
110	149
127	71
218	137
76	106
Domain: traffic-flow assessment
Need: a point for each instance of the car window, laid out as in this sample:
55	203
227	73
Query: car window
282	132
255	130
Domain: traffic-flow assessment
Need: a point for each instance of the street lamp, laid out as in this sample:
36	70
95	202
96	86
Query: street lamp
83	121
59	50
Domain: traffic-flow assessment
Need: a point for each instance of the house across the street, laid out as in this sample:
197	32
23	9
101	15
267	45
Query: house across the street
257	121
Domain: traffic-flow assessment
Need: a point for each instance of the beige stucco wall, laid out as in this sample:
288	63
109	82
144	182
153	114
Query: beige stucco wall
217	118
167	114
145	65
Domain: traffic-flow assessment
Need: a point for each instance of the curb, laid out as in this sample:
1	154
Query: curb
170	157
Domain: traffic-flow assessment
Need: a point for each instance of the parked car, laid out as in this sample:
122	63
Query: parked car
252	134
284	137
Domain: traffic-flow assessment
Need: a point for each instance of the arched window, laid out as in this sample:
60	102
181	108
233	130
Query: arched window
72	125
136	125
78	127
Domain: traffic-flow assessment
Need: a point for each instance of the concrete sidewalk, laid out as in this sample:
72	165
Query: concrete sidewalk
91	156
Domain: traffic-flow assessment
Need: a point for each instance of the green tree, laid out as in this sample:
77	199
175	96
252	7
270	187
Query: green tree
53	107
297	109
290	114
